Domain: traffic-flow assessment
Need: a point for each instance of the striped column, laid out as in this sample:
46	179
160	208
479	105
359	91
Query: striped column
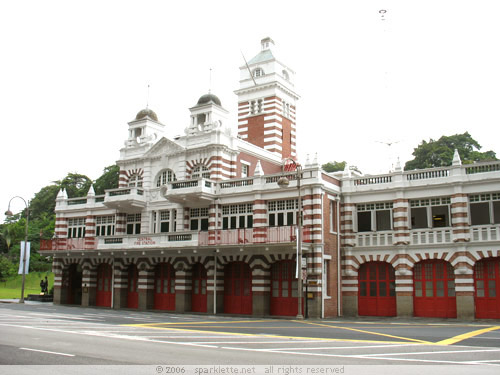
146	287
404	290
61	232
212	221
186	218
460	218
121	224
401	227
259	220
312	215
179	218
346	224
90	240
123	179
57	269
464	283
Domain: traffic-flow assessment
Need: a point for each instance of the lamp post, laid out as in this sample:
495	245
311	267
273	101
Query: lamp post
9	213
290	165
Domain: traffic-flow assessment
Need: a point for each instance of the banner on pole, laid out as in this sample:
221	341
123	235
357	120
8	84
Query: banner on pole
27	267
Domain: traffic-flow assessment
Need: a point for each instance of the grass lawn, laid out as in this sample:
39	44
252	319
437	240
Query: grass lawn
11	288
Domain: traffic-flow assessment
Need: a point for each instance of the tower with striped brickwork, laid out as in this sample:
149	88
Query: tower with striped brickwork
267	103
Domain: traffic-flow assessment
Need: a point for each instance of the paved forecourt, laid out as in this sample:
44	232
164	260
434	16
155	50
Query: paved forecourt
221	339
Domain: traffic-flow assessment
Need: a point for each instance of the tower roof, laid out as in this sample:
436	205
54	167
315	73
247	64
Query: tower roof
146	113
209	98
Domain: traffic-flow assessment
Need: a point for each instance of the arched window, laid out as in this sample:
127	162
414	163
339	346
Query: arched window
135	180
258	72
200	170
167	175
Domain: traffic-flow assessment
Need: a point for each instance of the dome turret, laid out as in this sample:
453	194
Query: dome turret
146	113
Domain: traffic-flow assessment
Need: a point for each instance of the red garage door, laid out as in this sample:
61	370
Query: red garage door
284	289
199	289
377	289
164	287
487	288
237	288
434	289
104	281
132	292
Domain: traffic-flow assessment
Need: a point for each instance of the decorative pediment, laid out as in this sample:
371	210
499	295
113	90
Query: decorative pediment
164	146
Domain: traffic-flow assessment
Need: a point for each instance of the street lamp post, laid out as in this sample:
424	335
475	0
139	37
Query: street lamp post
9	213
290	164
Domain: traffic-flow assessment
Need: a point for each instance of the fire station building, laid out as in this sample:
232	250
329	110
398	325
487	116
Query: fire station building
200	224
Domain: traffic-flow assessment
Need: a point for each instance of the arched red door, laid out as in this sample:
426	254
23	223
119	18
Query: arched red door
237	288
377	289
132	290
487	288
164	287
284	289
104	285
434	289
199	288
72	282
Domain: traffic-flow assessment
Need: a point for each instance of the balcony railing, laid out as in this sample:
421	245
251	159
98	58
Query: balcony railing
261	235
374	239
68	244
485	233
430	236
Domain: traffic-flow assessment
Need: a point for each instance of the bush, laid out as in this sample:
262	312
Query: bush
7	268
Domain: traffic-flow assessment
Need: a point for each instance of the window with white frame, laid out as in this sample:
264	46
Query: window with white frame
374	216
200	170
135	180
484	208
283	212
105	225
245	168
167	222
236	216
258	72
76	227
256	106
333	216
134	224
199	218
430	213
167	175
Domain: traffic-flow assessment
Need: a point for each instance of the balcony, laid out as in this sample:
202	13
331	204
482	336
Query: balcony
430	236
200	190
125	199
249	236
68	244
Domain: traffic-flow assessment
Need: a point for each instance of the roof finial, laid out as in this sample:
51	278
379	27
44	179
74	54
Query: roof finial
147	99
210	82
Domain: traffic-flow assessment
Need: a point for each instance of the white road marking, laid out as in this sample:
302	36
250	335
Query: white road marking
436	352
46	351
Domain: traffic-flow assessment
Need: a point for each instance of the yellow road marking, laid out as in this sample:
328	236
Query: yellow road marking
155	326
467	335
371	333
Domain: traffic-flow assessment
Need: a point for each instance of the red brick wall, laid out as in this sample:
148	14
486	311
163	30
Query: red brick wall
330	241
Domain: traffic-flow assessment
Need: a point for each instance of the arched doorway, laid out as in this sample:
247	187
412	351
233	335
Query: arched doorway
132	291
377	289
487	288
284	289
72	284
237	288
434	289
164	287
104	285
199	288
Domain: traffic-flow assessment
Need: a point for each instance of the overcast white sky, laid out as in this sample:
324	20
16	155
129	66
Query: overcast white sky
73	73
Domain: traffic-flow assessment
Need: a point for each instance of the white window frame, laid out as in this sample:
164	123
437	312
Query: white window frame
165	175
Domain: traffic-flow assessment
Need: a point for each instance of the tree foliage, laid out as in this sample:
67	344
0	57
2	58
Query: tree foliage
335	166
76	185
108	179
440	153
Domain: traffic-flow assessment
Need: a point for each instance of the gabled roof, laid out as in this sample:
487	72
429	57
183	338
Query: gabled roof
265	55
164	146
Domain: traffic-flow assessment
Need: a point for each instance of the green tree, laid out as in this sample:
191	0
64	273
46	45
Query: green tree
76	185
108	179
44	202
335	166
440	153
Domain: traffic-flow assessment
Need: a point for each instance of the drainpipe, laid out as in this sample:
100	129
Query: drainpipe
339	261
112	282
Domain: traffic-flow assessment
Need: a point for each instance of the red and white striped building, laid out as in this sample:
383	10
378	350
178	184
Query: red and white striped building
199	223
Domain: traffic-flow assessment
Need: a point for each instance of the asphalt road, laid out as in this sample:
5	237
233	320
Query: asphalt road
43	334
